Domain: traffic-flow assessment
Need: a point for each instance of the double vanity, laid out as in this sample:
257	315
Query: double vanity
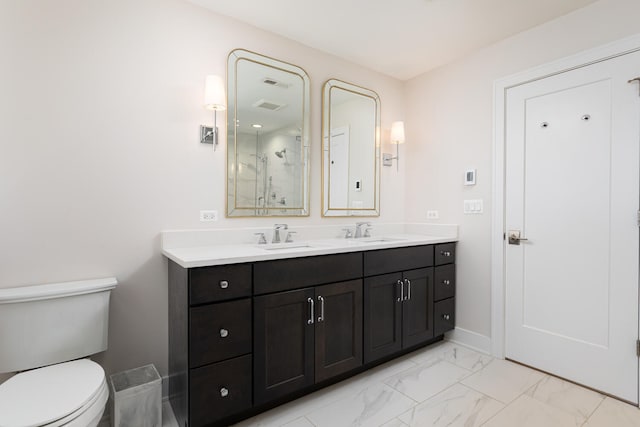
252	326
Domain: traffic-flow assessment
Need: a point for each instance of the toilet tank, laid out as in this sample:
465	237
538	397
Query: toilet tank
46	324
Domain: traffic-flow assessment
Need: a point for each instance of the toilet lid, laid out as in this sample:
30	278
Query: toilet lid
44	395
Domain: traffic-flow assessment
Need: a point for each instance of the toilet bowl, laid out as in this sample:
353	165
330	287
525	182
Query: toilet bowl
70	394
46	333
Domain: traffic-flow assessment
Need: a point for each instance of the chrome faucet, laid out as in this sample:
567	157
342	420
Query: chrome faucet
359	228
276	232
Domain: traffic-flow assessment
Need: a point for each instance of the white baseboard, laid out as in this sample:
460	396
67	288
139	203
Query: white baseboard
473	340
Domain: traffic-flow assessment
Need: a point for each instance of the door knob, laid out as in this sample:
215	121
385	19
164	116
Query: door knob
514	237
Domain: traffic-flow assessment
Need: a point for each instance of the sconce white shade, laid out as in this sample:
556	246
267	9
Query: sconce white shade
214	96
397	133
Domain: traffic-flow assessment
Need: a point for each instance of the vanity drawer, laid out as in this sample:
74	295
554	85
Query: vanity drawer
445	281
445	253
397	259
295	273
220	390
219	331
444	316
210	284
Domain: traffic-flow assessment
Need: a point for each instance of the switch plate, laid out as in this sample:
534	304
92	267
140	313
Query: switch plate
208	216
473	207
433	215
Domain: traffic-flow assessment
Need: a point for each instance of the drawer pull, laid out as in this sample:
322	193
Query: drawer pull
446	316
224	392
224	284
445	253
321	317
224	333
311	318
446	282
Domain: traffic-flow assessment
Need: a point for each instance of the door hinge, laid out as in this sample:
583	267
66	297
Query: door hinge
638	348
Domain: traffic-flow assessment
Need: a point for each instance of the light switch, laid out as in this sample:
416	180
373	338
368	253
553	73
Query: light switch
473	207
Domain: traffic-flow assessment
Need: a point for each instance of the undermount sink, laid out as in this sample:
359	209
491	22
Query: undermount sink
281	246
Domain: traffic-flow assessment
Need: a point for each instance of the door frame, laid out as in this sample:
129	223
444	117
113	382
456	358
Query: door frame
498	247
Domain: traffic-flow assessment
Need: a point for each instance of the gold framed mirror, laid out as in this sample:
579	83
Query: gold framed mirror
267	137
350	150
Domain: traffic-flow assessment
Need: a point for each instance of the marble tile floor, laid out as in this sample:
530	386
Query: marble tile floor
448	385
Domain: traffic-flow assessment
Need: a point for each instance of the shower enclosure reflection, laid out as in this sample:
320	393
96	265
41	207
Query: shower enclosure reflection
266	180
267	137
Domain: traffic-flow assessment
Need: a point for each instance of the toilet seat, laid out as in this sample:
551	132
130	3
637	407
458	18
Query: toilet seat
55	395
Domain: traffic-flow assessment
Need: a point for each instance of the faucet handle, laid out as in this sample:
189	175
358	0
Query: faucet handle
289	238
359	228
262	240
348	233
367	232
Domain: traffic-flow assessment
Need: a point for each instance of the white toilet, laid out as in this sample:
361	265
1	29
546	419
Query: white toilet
51	328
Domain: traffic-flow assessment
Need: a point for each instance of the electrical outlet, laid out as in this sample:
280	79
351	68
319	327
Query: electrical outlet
208	216
433	215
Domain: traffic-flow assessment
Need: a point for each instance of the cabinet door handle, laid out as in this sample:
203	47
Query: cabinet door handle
224	392
321	317
224	284
446	282
408	282
401	297
310	320
446	316
224	333
445	253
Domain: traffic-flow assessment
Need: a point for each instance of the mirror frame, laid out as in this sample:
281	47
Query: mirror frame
327	211
232	211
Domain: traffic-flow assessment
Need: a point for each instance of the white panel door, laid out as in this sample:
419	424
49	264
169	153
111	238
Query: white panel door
572	190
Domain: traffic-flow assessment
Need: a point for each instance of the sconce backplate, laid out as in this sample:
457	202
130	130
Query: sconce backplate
206	134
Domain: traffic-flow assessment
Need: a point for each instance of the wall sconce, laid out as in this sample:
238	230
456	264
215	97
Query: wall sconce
397	137
214	99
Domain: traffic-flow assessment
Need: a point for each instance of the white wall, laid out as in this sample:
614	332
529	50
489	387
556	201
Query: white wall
100	107
449	130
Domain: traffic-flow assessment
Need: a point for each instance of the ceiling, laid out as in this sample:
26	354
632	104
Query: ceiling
400	38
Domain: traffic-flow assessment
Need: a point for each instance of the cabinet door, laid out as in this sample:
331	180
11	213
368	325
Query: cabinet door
338	328
283	344
417	313
382	316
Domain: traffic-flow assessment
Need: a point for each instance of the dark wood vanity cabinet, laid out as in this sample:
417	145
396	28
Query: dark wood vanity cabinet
398	306
210	342
445	288
244	337
305	336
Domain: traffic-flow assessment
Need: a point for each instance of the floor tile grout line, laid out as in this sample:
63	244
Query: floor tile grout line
594	411
549	376
308	420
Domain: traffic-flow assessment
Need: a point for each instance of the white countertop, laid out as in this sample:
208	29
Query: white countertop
220	254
